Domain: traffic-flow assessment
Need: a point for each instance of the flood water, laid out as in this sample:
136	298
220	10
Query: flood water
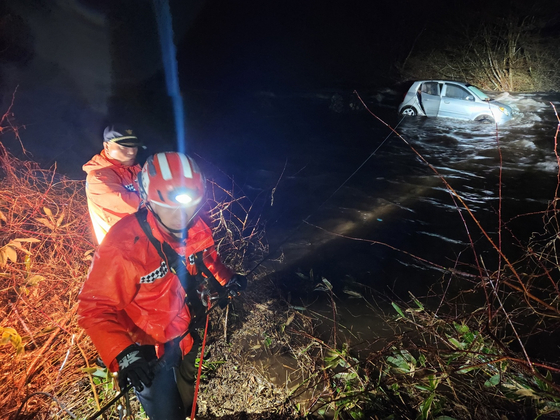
343	196
343	181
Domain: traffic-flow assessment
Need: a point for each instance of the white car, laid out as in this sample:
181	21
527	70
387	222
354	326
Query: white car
444	98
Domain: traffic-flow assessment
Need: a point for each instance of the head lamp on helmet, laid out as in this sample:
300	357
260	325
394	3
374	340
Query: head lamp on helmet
173	180
183	196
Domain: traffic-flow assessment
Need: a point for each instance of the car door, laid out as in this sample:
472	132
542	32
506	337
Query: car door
429	98
456	102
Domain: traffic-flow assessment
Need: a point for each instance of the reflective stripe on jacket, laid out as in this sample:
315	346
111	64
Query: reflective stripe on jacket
112	192
130	295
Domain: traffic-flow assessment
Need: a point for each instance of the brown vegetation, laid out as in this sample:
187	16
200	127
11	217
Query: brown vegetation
45	247
511	53
49	366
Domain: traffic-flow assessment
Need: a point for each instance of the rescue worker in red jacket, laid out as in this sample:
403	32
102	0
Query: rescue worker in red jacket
111	185
132	304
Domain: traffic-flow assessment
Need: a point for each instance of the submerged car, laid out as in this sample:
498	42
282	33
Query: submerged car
444	98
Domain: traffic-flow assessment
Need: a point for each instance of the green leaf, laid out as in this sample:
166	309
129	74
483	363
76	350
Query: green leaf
408	357
461	328
543	385
404	361
95	371
399	311
469	337
493	381
426	406
416	301
357	415
327	283
466	369
433	381
456	343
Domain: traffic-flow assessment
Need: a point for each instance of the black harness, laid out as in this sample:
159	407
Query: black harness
195	286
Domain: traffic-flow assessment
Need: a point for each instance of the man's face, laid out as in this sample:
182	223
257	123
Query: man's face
122	154
176	218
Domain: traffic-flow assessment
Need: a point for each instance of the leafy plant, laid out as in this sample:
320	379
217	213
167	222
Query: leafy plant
9	251
51	221
10	335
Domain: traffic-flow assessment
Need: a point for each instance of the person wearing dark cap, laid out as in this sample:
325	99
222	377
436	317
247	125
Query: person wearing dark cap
111	182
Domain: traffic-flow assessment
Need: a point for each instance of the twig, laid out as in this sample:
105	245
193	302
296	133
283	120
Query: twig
31	368
90	376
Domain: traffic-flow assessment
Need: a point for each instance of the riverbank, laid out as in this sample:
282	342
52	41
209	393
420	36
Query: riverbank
286	348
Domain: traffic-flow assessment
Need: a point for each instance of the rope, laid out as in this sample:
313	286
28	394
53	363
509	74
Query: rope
193	412
159	365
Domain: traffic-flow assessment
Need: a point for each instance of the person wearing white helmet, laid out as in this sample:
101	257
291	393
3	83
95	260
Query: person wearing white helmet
111	182
138	302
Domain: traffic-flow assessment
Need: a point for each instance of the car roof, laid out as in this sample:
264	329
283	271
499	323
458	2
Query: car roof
443	81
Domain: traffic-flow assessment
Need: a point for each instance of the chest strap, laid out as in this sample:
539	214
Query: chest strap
177	263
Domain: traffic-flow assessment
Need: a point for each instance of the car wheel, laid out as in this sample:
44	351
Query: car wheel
409	111
485	119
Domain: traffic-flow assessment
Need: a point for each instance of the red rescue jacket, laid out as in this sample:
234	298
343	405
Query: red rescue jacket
112	192
131	296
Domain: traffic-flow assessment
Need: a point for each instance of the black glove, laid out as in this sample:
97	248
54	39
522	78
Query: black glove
236	284
134	368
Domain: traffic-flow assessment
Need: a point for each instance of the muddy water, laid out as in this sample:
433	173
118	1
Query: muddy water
354	204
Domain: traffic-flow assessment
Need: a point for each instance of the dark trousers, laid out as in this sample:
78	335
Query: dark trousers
170	397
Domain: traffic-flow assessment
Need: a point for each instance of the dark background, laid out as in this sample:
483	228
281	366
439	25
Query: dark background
228	53
80	64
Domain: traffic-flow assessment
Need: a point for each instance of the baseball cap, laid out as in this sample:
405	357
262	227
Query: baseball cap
121	134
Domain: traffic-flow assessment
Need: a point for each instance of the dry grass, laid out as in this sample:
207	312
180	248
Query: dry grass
44	259
45	252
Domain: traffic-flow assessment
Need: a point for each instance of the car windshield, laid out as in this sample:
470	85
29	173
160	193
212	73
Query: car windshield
479	93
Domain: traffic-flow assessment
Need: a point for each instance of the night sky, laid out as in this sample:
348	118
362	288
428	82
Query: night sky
254	45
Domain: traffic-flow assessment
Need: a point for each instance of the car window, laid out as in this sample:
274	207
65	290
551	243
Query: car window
431	88
479	93
457	92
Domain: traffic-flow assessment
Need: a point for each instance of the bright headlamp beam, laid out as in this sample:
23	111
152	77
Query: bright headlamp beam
169	58
183	198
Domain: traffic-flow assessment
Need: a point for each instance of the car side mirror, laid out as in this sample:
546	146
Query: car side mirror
470	98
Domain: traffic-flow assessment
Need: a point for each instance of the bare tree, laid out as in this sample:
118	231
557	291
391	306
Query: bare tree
507	54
